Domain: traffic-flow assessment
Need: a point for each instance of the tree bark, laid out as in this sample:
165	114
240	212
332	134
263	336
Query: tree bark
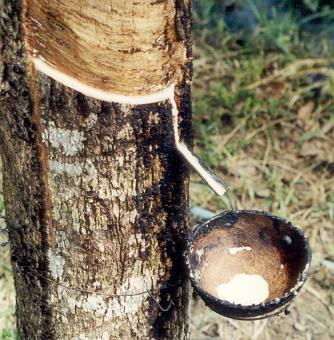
96	196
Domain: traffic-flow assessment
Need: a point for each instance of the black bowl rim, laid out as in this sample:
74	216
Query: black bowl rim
255	309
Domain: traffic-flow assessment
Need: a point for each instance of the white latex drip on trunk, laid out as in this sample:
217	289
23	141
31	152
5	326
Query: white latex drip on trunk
166	94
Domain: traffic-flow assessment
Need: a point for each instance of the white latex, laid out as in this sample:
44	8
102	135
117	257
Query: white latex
244	289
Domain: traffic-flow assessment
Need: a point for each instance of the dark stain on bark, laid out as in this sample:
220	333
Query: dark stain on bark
25	204
26	213
82	105
169	195
175	237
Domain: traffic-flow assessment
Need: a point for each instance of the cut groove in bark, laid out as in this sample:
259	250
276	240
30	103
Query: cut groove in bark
120	46
96	196
168	93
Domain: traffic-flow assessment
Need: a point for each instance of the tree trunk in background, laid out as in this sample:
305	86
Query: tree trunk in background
96	195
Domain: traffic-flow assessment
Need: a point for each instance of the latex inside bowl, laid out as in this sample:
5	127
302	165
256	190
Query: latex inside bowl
235	256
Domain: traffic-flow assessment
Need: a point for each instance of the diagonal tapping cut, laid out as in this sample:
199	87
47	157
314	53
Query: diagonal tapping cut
86	201
168	93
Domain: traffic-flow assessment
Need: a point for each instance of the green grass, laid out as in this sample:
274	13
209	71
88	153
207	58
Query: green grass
272	143
9	334
7	291
273	155
281	28
266	115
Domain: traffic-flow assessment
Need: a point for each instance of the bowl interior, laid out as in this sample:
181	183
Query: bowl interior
247	257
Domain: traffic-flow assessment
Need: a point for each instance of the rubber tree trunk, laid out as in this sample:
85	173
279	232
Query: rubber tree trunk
96	195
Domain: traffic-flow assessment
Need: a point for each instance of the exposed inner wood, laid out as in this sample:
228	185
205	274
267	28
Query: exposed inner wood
132	48
96	198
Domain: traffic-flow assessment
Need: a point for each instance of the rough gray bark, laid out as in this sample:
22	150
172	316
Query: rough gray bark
96	203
